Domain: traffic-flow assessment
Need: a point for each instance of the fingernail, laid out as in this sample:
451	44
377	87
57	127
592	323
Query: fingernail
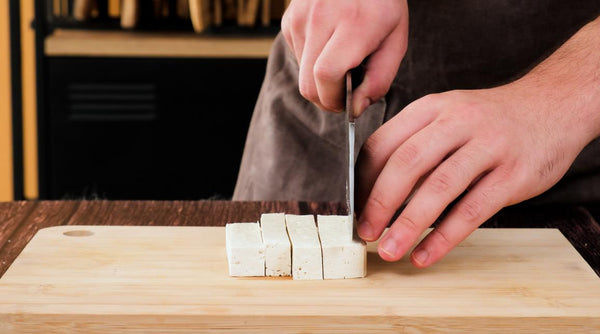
360	107
389	247
421	256
365	230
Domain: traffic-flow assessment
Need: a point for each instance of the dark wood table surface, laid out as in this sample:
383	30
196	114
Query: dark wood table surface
19	221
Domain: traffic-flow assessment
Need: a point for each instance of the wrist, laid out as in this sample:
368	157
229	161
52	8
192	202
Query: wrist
567	85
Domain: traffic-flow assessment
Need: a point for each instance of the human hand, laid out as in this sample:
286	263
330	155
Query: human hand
496	146
330	37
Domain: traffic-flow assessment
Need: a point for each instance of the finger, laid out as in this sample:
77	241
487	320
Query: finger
450	179
286	31
378	148
293	27
298	41
380	70
341	54
287	28
485	199
413	159
319	31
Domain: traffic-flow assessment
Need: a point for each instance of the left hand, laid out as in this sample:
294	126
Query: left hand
496	146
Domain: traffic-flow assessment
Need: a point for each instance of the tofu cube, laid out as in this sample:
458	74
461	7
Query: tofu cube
245	249
306	249
278	251
343	257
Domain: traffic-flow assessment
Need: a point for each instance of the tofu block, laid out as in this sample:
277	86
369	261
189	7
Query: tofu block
278	251
306	249
343	257
245	249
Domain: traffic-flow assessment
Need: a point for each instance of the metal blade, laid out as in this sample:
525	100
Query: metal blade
350	145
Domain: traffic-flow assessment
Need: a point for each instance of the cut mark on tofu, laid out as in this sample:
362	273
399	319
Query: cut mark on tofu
307	263
344	254
281	245
278	250
245	249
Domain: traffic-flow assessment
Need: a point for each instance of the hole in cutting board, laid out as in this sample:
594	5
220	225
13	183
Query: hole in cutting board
78	233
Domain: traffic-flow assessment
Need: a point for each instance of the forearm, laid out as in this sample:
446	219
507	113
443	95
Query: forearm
568	82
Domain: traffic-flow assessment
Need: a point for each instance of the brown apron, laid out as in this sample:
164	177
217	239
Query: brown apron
294	151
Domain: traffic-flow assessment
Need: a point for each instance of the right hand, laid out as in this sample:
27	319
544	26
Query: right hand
330	37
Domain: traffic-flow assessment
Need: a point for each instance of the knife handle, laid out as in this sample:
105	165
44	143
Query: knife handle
353	78
358	74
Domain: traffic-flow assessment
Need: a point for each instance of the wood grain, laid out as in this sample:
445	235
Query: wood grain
137	44
150	278
20	220
574	222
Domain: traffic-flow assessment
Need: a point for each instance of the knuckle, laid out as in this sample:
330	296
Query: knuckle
285	22
446	126
324	71
290	22
471	211
459	167
329	103
352	14
515	177
318	14
372	147
408	223
307	90
406	156
431	98
295	24
441	237
470	107
378	90
379	201
440	183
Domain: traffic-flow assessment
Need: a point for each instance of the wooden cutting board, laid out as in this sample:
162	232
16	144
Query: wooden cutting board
113	279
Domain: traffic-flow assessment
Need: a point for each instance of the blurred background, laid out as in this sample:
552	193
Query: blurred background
128	99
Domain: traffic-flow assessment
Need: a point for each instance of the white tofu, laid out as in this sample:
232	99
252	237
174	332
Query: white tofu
245	249
344	225
343	257
278	252
306	248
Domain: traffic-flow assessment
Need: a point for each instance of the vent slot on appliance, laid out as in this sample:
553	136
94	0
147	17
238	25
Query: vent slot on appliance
111	102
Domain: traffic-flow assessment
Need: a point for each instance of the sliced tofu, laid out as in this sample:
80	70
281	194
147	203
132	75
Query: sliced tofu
278	252
245	249
344	256
306	249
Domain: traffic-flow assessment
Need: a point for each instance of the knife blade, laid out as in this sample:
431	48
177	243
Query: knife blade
350	147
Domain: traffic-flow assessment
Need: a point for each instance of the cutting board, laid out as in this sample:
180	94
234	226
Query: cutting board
117	279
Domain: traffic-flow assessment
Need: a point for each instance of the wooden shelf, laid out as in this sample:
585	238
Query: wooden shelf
140	44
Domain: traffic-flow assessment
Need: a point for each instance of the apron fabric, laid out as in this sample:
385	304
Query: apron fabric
294	151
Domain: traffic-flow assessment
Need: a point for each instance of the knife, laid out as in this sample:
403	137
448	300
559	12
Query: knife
350	148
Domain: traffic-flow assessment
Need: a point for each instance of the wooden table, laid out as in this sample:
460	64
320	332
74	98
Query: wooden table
19	221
